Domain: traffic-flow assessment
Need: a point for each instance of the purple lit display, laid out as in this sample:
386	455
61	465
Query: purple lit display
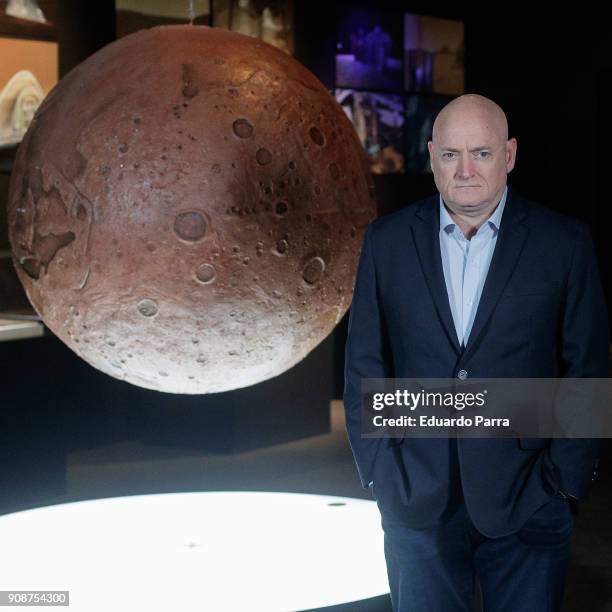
368	50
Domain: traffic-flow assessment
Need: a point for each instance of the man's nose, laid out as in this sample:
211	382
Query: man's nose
465	167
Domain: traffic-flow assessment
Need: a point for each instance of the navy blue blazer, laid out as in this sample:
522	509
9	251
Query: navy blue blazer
542	314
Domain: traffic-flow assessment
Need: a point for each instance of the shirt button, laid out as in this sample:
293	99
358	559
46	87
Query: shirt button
462	375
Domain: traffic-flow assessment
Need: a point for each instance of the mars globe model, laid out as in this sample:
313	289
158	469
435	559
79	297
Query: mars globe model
186	210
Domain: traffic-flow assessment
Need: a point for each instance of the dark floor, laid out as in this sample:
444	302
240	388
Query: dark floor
589	587
324	465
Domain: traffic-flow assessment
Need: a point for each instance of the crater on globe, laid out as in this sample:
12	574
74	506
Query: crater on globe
186	210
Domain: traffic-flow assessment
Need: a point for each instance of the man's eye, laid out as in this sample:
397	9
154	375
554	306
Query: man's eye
448	155
484	154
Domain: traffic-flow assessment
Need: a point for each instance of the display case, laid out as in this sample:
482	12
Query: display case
28	71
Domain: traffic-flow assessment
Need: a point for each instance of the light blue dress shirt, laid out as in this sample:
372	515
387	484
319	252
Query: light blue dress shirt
465	264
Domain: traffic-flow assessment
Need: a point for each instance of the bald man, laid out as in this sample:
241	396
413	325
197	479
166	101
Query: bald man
475	282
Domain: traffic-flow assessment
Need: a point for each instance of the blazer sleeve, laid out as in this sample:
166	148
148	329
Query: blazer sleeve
367	355
584	354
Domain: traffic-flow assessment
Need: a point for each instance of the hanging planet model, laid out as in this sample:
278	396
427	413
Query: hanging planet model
187	208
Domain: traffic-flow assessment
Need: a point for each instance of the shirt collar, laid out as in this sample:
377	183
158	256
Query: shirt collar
448	225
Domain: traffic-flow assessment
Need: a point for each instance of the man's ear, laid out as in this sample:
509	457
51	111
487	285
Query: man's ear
430	149
511	147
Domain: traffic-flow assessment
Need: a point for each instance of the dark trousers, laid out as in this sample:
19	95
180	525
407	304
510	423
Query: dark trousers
434	569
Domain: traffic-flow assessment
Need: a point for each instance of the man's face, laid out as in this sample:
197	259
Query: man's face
471	158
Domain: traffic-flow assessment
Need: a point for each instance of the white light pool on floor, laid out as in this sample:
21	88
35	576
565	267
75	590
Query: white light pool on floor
211	552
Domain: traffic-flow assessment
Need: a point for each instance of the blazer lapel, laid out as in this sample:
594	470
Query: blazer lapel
427	242
510	243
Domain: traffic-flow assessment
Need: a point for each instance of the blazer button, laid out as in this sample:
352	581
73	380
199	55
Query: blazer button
462	375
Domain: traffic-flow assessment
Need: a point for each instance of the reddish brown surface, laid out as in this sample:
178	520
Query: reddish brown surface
186	210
